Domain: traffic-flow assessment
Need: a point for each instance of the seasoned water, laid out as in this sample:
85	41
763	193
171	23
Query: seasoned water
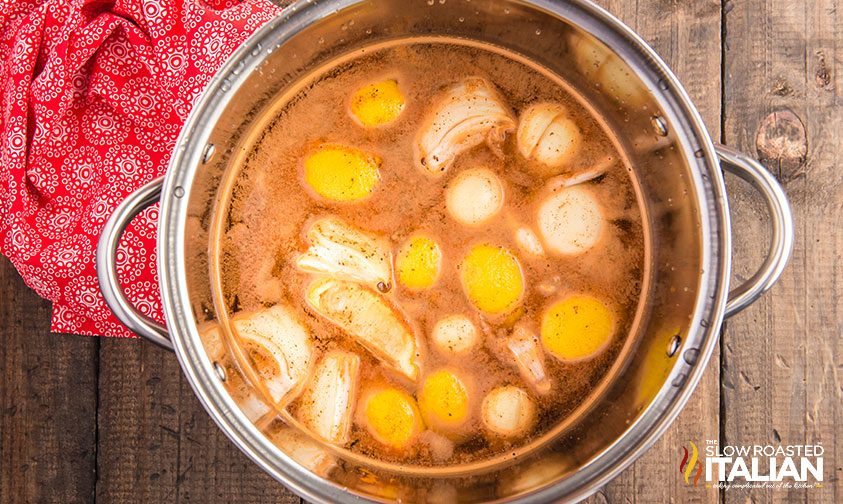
272	208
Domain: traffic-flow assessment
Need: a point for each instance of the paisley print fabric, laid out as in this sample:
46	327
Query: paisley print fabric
93	94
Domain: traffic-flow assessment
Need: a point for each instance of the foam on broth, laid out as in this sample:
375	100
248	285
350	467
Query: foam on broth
271	209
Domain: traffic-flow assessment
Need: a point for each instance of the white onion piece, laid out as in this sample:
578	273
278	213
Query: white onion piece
528	241
369	319
570	221
342	251
253	407
440	447
455	334
465	115
529	358
508	411
327	404
546	134
277	331
475	196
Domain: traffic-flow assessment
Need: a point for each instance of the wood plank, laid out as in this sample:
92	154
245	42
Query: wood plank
687	36
47	402
783	356
157	444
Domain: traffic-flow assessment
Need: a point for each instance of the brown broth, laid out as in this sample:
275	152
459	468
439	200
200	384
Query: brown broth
271	209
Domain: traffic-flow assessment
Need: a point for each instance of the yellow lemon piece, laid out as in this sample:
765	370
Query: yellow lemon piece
577	327
392	417
377	104
419	261
492	279
341	173
443	400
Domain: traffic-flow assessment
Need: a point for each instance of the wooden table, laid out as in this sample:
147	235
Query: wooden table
89	419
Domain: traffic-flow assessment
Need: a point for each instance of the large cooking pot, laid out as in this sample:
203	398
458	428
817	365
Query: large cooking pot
676	169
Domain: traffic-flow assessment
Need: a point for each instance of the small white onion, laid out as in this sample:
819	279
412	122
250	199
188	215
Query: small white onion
546	134
475	196
508	411
455	334
571	221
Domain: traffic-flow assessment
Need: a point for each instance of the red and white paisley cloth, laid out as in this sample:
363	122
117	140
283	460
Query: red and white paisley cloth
94	93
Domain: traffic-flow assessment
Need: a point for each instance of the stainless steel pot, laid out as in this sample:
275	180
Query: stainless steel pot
675	166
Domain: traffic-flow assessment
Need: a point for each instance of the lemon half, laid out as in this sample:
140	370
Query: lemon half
341	173
392	417
577	327
419	262
443	400
492	279
377	104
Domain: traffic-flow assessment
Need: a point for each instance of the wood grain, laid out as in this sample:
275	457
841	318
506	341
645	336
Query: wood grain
784	355
157	444
85	420
687	36
47	402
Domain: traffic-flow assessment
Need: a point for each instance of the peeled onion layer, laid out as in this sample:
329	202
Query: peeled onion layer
528	241
340	250
579	177
529	358
327	404
466	114
369	319
277	331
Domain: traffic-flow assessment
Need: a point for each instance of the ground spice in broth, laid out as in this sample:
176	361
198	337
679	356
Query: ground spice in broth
272	209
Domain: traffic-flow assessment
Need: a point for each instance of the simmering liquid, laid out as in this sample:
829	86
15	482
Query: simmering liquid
562	292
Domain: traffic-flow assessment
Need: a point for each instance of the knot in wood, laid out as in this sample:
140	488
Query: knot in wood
782	143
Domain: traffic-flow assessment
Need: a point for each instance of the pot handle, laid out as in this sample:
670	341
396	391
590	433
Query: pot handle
781	220
109	282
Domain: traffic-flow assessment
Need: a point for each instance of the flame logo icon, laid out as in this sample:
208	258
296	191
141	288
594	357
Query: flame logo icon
686	467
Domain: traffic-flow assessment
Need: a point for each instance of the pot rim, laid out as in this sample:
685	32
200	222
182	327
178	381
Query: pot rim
683	378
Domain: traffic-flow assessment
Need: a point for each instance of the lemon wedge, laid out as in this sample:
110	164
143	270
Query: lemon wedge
391	416
492	279
419	262
341	173
577	327
377	104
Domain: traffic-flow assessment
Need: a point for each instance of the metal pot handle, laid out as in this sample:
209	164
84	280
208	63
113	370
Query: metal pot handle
110	286
781	220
